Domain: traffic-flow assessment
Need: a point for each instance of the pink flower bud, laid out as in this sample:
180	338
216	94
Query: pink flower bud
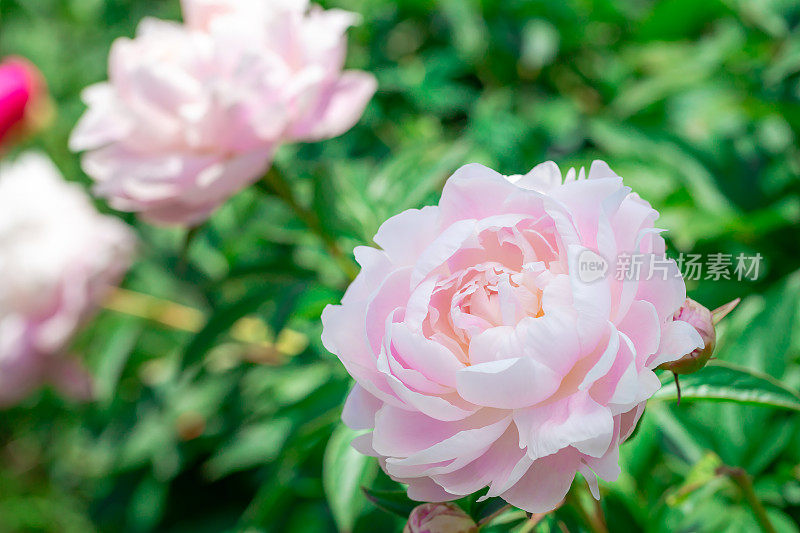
439	518
21	90
704	321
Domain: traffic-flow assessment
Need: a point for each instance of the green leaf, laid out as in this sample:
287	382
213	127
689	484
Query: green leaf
147	504
221	321
344	471
724	382
480	510
765	340
687	444
699	476
116	348
286	299
392	501
270	263
324	204
252	446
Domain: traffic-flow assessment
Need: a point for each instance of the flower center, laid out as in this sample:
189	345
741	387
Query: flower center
482	297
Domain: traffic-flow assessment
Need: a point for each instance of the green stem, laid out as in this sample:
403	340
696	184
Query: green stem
594	522
275	183
183	253
742	479
485	521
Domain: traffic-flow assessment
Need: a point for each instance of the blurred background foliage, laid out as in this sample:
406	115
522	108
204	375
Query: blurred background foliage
205	421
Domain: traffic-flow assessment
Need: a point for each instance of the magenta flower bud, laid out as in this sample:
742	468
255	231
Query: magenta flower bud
439	518
21	90
704	321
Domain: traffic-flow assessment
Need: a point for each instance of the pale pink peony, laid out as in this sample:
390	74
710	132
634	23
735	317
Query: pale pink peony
481	357
194	112
58	257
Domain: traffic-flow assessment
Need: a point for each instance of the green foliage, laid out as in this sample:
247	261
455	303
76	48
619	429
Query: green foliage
729	383
344	473
219	424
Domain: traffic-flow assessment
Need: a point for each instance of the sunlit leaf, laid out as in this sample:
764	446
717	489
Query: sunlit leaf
344	472
724	382
221	321
252	446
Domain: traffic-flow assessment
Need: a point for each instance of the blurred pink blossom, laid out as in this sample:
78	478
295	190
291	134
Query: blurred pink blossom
482	356
58	258
194	112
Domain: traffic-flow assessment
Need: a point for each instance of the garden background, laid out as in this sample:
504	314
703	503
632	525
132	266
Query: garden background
207	422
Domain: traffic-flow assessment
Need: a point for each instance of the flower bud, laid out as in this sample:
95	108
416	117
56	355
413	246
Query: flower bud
704	321
439	518
22	98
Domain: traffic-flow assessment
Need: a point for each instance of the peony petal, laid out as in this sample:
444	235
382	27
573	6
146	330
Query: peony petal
402	433
388	363
442	248
678	338
388	297
433	360
104	122
360	409
591	479
576	421
437	407
542	178
339	108
450	454
551	339
494	465
629	420
642	326
545	483
405	235
666	291
605	361
507	384
459	201
426	490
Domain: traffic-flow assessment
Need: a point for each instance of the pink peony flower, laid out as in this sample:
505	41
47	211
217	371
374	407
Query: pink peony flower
481	356
439	518
58	257
192	113
21	94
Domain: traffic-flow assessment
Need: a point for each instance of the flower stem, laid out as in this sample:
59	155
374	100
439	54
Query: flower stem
275	183
742	479
677	387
